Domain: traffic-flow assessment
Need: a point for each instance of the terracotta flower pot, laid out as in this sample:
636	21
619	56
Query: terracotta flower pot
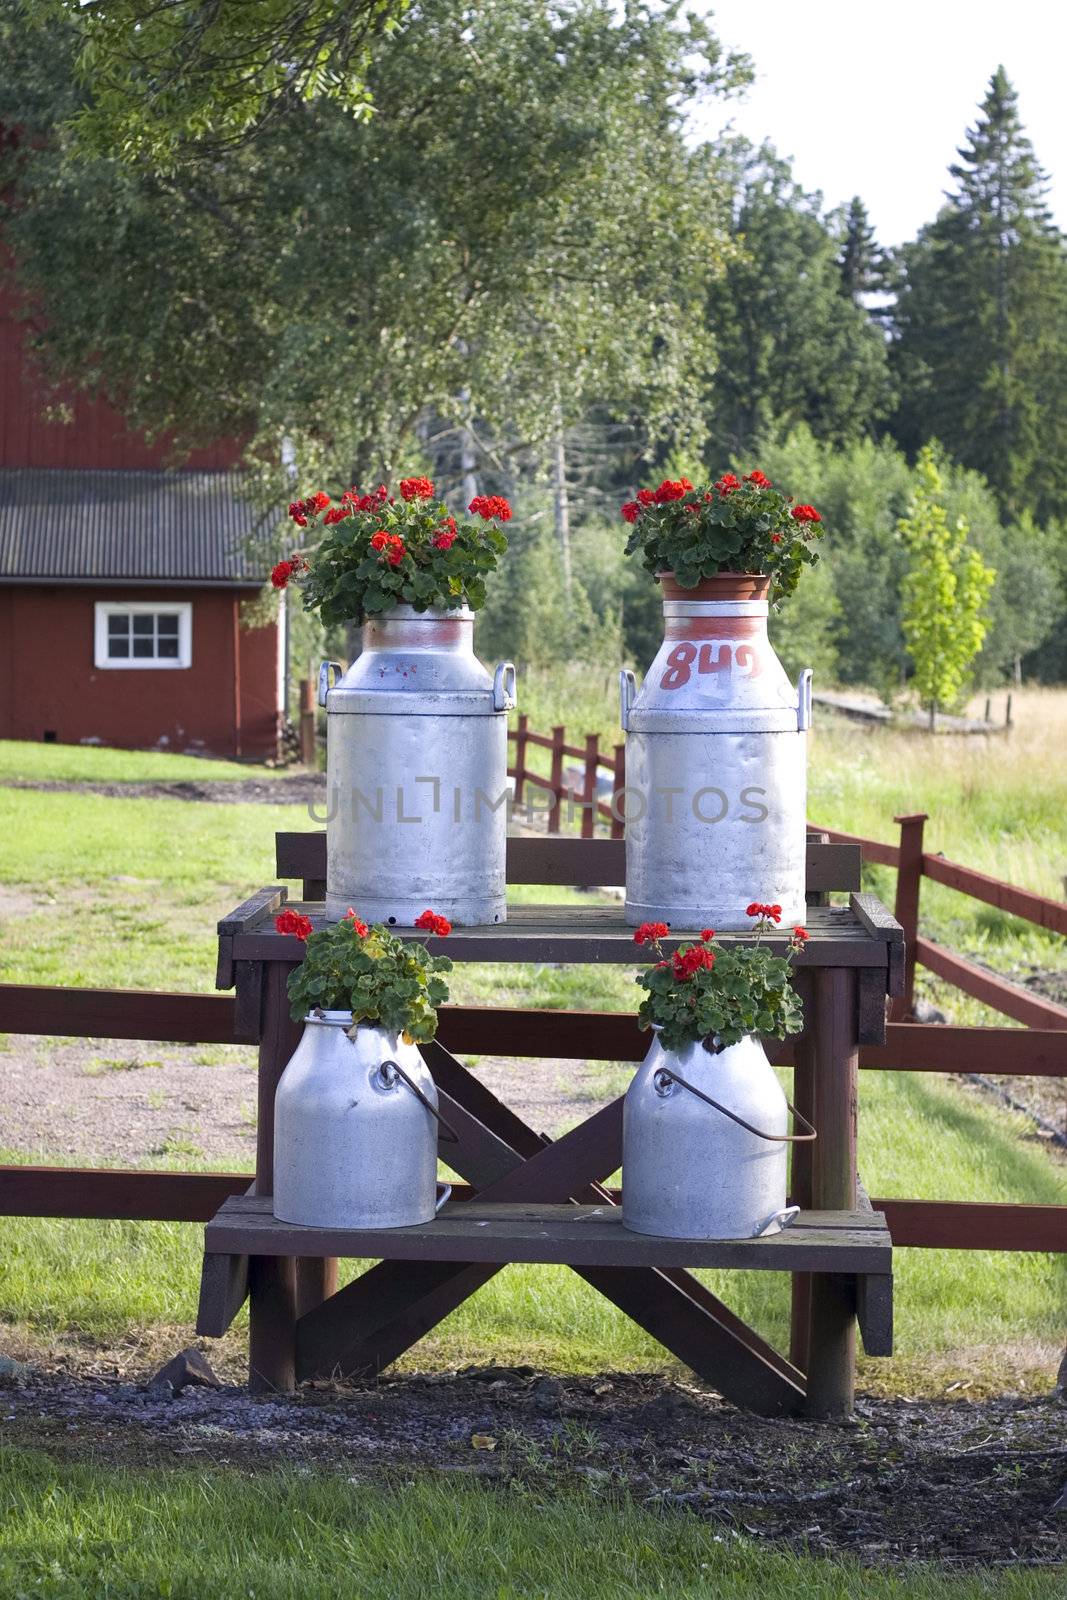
723	586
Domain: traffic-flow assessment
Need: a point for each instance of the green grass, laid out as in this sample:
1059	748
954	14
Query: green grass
74	763
95	1533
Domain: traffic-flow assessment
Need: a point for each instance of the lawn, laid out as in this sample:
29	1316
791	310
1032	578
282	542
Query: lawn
75	763
90	1532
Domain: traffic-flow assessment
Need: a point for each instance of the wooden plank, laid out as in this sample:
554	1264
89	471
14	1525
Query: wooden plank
874	1312
248	1015
588	863
928	1047
224	974
974	1225
259	905
878	920
116	1014
1035	908
872	850
116	1193
870	1005
577	1235
223	1291
1007	998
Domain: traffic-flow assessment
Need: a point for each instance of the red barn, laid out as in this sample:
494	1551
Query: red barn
122	585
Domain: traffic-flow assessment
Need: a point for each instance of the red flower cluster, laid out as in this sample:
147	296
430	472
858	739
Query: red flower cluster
630	511
649	932
760	479
646	497
337	514
672	489
688	962
391	546
805	514
433	923
727	483
445	539
281	574
358	925
301	510
293	922
488	506
366	502
772	913
707	933
800	935
416	488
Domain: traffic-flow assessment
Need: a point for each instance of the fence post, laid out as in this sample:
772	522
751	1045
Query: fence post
520	756
906	909
618	788
592	760
308	750
558	735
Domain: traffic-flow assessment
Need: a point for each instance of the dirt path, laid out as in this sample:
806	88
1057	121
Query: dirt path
963	1484
297	789
122	1100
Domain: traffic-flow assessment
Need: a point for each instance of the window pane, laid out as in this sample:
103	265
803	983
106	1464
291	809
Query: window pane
144	647
118	626
143	626
167	649
167	625
118	649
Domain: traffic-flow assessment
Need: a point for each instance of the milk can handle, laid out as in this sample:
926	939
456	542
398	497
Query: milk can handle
325	684
804	701
627	690
448	1132
664	1073
504	687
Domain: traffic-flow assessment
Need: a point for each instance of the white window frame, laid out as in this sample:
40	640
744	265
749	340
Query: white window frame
140	608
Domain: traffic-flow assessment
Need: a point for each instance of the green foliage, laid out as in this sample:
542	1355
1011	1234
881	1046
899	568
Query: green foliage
159	77
981	320
944	592
369	553
790	346
716	995
733	525
861	261
373	974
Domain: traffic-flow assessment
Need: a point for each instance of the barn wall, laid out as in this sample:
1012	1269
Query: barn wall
48	681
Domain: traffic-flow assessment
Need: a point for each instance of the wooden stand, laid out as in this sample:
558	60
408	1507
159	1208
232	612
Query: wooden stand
530	1199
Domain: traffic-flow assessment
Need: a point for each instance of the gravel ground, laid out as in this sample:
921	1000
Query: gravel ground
959	1483
122	1100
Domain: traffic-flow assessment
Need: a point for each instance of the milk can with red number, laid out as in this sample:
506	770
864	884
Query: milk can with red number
716	764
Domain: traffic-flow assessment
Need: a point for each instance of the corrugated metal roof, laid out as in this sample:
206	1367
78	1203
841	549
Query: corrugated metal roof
91	525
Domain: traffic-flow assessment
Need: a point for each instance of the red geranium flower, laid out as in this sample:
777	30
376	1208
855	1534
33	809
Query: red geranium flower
672	489
379	540
444	540
801	935
396	550
646	497
757	909
281	574
805	514
760	479
416	488
488	506
433	923
293	922
649	932
688	962
707	933
318	502
727	483
630	511
337	514
359	926
298	512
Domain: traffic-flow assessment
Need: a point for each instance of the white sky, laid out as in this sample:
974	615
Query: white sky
874	100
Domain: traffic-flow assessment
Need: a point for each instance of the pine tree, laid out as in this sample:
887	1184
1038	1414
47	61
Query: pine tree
862	261
981	321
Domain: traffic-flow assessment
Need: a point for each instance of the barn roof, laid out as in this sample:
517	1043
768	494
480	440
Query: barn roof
65	526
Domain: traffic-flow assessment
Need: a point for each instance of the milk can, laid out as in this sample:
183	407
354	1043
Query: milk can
355	1130
417	786
704	1144
716	764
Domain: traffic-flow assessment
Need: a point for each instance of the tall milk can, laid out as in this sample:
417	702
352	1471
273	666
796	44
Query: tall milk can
716	764
416	764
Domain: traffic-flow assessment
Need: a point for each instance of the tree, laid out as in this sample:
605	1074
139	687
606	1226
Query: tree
981	319
790	347
944	592
861	260
192	71
521	215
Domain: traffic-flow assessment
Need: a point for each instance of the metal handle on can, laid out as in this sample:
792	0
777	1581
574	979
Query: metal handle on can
504	687
446	1191
627	691
665	1075
777	1221
325	684
448	1131
804	701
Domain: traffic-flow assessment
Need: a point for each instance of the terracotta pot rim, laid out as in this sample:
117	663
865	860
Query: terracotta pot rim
721	585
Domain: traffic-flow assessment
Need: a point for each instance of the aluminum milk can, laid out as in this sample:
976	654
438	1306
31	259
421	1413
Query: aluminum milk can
704	1138
716	764
417	786
355	1130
